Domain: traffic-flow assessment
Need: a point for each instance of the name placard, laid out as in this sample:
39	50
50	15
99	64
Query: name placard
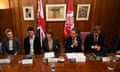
52	59
5	61
27	61
79	57
105	59
49	55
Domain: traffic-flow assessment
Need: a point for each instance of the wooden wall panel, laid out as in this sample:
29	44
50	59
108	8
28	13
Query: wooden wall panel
15	16
5	22
118	24
55	1
57	29
26	24
83	1
109	20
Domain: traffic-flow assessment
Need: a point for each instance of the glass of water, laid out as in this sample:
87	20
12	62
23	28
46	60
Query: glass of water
111	64
53	65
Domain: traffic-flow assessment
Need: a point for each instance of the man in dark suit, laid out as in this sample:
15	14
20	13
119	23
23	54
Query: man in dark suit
94	42
51	43
10	44
32	43
73	42
117	46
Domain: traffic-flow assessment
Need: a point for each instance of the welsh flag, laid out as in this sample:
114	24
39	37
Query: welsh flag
69	23
41	28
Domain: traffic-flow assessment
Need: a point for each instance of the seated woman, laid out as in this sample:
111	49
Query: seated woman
51	43
73	42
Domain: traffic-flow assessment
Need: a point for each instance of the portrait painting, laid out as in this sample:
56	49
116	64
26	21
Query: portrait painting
28	13
83	11
55	12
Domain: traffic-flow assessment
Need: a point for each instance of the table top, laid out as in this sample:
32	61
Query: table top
67	66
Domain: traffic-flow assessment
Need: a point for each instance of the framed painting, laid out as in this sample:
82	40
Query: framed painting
28	13
83	11
55	12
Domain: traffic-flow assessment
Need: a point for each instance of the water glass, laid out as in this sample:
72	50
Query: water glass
53	65
111	65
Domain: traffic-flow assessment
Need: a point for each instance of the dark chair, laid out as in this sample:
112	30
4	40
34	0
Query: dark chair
83	36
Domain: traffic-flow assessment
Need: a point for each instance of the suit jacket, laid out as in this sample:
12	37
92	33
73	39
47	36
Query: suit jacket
89	41
56	45
37	47
117	45
16	45
68	44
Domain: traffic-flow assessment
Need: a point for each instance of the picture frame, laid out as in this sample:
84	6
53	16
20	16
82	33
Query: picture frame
28	13
83	11
55	12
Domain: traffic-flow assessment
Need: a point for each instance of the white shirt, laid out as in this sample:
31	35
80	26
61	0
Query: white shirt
11	44
32	44
96	37
73	40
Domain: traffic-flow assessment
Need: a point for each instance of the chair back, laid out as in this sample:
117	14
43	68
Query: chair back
83	36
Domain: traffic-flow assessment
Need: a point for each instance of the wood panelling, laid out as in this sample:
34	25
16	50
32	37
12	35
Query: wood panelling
108	20
5	22
15	16
57	29
55	1
26	24
118	25
103	12
83	1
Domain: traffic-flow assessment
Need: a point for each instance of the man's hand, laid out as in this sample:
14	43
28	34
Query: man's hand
15	53
97	47
75	43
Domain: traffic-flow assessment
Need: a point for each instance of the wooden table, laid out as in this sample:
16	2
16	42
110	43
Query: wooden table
39	66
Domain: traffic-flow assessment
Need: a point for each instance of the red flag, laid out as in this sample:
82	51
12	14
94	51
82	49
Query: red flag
69	24
41	22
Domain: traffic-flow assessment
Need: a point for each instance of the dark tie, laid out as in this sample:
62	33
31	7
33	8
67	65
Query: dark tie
96	39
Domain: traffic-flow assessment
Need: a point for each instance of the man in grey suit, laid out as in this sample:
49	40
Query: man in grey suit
10	44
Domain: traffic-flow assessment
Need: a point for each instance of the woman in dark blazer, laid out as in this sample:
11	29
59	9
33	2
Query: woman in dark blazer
51	43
